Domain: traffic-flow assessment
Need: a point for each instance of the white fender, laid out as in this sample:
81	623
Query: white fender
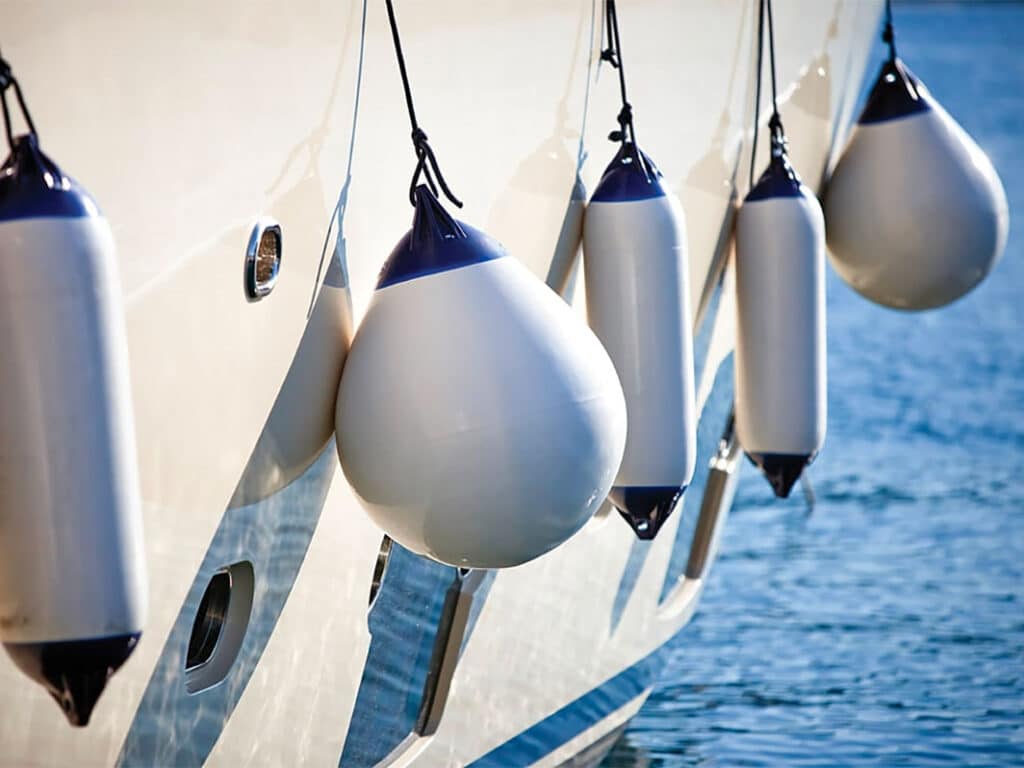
638	303
479	421
781	408
916	213
72	569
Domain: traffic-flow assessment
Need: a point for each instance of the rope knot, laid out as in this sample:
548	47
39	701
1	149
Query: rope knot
778	135
426	166
888	35
8	81
426	162
625	116
609	55
613	54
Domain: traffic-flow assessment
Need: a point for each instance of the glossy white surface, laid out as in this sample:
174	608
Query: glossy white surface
780	331
71	554
916	213
197	118
479	420
638	303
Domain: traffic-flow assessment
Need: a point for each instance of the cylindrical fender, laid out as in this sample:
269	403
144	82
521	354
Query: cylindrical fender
781	408
638	303
72	569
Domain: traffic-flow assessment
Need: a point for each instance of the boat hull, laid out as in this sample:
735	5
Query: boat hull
190	122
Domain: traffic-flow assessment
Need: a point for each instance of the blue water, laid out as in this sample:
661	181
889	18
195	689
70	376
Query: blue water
886	628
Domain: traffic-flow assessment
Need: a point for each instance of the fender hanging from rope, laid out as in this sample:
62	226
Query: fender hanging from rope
72	565
478	420
916	213
780	370
638	303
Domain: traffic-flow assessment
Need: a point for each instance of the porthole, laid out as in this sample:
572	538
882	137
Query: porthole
209	620
219	626
262	258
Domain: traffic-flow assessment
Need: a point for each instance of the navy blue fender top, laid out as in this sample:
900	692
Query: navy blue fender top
779	179
436	243
896	94
32	186
630	176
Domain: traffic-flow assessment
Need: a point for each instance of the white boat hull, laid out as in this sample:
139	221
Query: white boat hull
187	122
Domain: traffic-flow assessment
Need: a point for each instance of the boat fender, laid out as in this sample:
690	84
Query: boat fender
638	303
916	214
478	420
72	568
780	367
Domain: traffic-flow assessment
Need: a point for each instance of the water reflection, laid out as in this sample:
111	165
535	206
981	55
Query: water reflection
886	627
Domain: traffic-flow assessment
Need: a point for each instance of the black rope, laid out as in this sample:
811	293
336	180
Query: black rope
613	55
775	122
888	35
8	81
771	54
426	161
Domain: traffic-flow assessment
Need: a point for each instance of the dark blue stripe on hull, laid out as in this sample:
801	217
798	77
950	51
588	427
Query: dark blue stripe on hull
574	718
174	727
403	624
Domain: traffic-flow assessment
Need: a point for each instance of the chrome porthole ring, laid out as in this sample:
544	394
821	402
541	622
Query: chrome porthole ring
262	258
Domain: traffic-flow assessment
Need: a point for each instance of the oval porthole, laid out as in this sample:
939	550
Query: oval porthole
209	620
262	258
219	626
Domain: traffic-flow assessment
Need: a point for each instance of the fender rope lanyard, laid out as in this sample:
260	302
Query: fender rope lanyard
426	161
9	81
775	122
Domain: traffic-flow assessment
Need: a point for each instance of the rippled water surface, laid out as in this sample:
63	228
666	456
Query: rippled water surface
886	628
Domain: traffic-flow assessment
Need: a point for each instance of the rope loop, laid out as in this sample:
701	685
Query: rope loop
613	55
9	81
778	136
625	120
888	33
625	116
426	165
426	161
609	55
